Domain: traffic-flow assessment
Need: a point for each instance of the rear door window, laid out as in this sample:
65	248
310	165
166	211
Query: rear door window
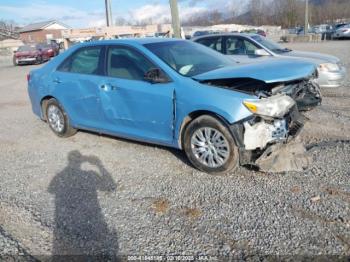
212	42
250	48
84	61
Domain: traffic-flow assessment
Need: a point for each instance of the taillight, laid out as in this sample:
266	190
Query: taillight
28	77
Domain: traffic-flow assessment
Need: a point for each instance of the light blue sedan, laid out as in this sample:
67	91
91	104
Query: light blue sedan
174	93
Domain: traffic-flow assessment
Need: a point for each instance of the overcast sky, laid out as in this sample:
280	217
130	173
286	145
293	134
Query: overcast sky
87	13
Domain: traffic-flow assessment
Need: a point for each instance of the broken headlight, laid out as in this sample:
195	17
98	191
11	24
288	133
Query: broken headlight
275	106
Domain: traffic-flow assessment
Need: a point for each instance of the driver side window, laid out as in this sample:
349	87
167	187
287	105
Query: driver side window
126	63
240	46
250	47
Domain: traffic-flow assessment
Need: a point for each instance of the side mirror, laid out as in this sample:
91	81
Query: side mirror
261	52
155	75
15	51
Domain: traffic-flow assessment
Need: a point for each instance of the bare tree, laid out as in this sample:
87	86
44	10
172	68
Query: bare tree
8	29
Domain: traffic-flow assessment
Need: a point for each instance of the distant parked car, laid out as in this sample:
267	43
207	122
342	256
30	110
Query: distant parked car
51	49
162	34
296	30
323	28
326	31
337	26
342	32
255	31
30	54
200	33
175	93
249	48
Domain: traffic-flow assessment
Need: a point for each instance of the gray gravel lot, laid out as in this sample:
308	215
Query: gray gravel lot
101	195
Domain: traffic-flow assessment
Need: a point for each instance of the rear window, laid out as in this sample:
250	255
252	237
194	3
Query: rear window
212	42
83	61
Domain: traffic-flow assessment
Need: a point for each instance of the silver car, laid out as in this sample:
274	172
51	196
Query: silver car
342	32
249	48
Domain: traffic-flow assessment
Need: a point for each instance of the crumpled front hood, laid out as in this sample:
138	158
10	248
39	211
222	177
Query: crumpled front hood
315	56
275	70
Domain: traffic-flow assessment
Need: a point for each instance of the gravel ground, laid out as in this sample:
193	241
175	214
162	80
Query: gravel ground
92	194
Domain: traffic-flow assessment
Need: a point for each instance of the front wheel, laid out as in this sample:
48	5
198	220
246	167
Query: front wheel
14	60
58	119
39	60
210	146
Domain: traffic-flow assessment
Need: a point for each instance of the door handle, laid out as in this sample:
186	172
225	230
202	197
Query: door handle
108	87
57	80
114	87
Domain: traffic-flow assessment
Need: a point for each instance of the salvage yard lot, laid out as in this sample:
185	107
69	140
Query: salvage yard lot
98	194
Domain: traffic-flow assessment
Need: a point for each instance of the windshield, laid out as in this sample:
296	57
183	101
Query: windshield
188	58
269	44
26	48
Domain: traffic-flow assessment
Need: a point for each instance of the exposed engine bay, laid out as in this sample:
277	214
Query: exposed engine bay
264	139
305	92
259	134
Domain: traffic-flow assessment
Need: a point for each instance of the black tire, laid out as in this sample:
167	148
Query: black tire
67	130
39	60
207	121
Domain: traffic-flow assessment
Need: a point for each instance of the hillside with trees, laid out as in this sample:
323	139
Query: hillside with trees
287	13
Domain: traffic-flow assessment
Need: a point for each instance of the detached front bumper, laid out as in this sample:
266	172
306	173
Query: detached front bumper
256	135
332	79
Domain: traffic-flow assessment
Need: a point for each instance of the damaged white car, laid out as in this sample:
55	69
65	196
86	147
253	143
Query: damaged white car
175	93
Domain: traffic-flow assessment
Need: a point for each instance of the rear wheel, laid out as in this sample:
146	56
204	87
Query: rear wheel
210	146
58	119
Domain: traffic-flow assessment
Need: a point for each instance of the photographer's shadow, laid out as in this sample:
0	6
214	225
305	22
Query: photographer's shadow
80	227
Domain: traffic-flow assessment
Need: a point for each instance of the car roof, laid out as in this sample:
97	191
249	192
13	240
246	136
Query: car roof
132	41
225	34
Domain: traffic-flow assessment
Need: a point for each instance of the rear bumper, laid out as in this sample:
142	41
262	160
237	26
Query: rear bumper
332	79
255	135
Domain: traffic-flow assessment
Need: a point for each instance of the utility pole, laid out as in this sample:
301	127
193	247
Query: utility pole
306	26
109	21
175	18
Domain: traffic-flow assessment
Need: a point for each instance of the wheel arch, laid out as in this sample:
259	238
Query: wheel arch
43	104
193	115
